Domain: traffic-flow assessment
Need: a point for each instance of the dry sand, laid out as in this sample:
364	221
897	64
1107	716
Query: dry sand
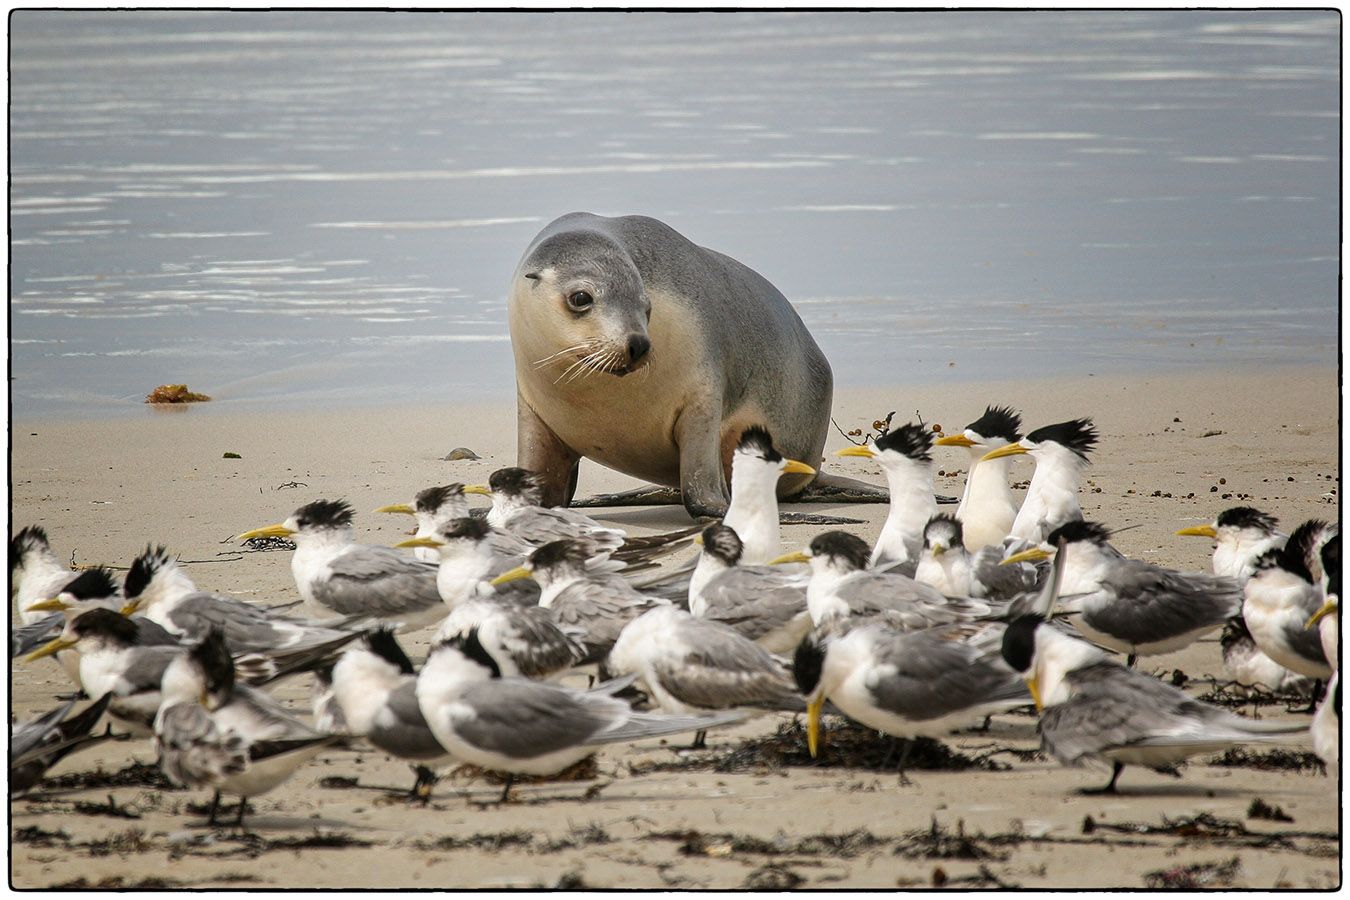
103	489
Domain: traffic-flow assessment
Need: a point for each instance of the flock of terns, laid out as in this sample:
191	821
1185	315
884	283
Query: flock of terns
947	620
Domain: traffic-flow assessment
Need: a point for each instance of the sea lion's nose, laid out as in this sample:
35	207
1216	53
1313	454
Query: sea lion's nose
638	345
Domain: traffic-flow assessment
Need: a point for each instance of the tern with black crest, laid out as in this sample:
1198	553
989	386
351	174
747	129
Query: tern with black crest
987	509
905	455
1061	452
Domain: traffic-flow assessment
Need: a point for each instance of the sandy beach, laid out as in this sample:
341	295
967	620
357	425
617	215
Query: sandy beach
1174	451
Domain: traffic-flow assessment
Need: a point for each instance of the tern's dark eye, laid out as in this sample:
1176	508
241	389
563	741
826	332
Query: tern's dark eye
580	301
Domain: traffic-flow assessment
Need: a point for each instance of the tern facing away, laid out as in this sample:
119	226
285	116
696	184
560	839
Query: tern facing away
335	574
987	508
210	732
1280	599
1095	710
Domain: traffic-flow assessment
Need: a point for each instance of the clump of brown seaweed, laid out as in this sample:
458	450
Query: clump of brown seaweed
174	393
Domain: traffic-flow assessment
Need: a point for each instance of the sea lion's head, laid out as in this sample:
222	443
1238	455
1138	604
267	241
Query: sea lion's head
586	306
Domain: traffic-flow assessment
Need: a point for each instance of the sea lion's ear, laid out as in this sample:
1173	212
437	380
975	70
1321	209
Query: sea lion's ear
533	276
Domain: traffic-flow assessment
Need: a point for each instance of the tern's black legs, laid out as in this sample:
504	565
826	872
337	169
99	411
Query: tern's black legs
1129	660
215	808
239	819
890	752
426	780
506	791
1110	787
1319	690
904	758
700	740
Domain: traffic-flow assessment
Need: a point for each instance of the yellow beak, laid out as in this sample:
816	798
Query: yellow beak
480	489
1199	531
130	607
55	604
515	574
954	440
856	451
1031	555
1035	692
1007	450
698	539
271	531
796	557
938	549
398	508
797	468
1327	609
420	542
50	648
813	724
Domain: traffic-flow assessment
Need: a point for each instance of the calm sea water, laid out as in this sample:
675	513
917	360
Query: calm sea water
325	208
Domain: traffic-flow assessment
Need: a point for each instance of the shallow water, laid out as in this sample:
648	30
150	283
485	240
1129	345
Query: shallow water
326	207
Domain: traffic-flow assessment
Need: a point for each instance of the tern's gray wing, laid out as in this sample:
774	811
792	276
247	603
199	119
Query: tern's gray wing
538	526
153	634
896	566
400	729
724	671
524	719
257	716
145	669
193	750
938	672
599	610
521	592
532	637
1004	582
28	735
756	600
1142	603
867	593
378	581
246	627
1111	706
906	604
1306	642
27	638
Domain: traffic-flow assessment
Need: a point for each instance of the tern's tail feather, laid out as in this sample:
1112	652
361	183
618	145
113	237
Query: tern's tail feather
645	725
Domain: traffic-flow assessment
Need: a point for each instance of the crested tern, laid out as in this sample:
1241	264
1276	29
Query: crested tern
519	726
1240	534
437	506
905	455
1128	605
753	511
523	637
922	683
1095	710
947	565
842	587
592	606
1060	451
211	732
335	574
766	604
161	591
375	687
1280	598
691	665
987	509
35	572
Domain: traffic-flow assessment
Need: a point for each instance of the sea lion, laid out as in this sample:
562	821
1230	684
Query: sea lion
641	350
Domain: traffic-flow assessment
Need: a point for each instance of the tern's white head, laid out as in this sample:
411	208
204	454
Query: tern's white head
1240	535
155	580
999	426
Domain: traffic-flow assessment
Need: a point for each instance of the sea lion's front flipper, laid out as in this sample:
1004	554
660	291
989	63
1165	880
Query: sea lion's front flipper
647	495
828	488
797	518
542	452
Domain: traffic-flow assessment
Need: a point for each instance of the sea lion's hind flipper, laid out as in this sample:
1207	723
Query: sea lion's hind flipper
828	488
648	495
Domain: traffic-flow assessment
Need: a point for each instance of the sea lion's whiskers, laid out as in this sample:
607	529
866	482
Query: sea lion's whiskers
584	345
581	366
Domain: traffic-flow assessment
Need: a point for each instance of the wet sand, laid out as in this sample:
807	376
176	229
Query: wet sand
1171	448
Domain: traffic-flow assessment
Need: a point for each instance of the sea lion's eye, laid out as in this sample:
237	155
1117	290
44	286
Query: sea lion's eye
580	301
